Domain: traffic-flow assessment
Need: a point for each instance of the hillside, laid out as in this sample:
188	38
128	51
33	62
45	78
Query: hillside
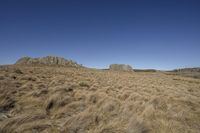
70	100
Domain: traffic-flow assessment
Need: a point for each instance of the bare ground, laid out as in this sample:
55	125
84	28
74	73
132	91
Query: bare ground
70	100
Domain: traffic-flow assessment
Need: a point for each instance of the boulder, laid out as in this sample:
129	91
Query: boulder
120	67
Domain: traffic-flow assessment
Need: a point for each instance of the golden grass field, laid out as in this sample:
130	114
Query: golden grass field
44	99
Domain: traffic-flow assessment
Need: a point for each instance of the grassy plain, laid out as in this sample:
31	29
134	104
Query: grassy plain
78	100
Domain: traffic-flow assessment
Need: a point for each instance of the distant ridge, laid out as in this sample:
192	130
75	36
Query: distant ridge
48	60
195	69
146	70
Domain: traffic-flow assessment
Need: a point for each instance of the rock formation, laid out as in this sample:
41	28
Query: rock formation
120	67
48	60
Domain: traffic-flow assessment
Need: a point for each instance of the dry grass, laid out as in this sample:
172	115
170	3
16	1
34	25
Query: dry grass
72	100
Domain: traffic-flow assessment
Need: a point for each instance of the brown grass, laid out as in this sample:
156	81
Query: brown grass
71	100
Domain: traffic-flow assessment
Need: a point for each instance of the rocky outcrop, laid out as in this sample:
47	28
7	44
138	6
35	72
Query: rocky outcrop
120	67
48	60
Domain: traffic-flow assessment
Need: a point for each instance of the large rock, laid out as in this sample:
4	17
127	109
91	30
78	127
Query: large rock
48	60
120	67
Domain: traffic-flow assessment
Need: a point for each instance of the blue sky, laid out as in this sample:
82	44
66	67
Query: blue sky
145	34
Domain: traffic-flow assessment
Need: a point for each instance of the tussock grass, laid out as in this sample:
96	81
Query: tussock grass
70	100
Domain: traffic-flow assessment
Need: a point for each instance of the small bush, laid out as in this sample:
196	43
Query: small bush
18	71
84	84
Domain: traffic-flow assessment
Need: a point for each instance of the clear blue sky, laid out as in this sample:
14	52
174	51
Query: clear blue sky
160	34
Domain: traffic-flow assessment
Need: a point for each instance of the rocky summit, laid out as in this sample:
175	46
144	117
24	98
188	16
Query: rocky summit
120	67
48	60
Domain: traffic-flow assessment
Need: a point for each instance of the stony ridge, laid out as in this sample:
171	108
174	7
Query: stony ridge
48	60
